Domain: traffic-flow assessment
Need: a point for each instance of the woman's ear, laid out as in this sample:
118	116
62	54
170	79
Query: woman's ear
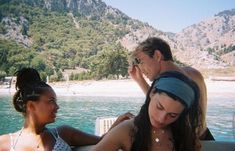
157	55
30	106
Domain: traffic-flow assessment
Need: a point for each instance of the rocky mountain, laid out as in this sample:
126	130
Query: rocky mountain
210	40
207	44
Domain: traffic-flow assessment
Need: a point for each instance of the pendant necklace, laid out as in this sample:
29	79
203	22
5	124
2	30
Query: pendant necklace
158	139
37	143
38	147
20	133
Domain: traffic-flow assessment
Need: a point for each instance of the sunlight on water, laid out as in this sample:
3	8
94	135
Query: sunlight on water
221	110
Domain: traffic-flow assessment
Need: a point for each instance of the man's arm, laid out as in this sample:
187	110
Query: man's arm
137	76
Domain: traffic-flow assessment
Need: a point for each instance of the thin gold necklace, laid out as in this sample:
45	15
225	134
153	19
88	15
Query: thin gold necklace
38	147
16	141
157	139
20	133
159	136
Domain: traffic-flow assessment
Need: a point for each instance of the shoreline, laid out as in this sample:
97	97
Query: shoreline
120	88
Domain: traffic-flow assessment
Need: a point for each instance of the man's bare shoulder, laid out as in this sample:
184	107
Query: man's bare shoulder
189	69
193	73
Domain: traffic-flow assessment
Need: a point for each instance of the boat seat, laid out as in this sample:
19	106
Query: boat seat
103	124
218	145
206	146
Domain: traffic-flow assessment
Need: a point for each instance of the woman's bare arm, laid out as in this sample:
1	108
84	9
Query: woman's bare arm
76	137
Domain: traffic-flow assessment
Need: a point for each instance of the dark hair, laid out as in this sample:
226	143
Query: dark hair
29	86
183	129
151	44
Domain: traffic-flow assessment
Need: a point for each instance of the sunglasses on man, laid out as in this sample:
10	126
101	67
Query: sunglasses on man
136	61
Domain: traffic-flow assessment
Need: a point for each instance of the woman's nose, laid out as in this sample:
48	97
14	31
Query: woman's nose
162	118
57	107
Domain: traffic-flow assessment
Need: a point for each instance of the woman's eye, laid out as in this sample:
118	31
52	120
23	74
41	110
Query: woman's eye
159	107
173	115
52	100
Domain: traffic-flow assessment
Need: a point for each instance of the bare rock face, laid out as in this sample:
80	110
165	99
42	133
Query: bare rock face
16	30
229	58
202	45
208	40
207	44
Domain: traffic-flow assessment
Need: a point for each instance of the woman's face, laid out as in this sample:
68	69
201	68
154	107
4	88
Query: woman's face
46	108
163	110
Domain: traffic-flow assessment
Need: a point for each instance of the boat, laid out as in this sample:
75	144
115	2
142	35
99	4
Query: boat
103	124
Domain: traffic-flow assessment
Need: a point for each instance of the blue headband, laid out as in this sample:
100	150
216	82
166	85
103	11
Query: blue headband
176	87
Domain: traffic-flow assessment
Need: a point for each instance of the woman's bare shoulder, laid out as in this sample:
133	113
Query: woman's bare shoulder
118	137
5	137
5	142
126	125
125	131
122	130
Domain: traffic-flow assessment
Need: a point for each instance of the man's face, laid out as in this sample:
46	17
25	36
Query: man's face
149	66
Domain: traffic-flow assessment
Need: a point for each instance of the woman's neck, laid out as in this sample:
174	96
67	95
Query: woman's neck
161	129
33	128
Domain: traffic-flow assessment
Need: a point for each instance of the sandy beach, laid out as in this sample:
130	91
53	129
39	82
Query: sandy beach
121	88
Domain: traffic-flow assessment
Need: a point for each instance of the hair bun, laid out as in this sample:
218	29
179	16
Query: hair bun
27	76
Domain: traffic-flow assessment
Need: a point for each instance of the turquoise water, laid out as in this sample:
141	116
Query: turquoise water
81	112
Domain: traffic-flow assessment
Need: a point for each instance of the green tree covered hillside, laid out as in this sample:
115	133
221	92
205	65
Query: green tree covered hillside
59	40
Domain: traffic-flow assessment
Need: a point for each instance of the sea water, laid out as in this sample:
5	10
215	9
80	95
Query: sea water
81	112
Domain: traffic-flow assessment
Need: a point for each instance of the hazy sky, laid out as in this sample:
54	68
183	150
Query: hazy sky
171	15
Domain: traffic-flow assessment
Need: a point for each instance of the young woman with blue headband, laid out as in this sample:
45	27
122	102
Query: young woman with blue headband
166	122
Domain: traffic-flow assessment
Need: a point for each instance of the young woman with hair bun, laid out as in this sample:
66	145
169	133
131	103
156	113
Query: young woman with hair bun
37	101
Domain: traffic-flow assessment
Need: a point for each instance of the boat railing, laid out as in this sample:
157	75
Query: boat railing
102	125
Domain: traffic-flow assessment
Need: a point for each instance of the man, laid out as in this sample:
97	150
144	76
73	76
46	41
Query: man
152	57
